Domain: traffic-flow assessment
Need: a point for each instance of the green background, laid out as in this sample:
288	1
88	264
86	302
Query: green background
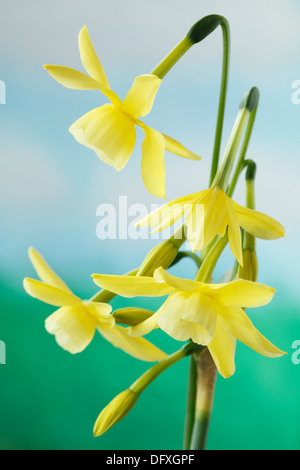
50	399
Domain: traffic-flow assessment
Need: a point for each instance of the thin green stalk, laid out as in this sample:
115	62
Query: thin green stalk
170	60
222	98
190	404
241	159
151	374
207	267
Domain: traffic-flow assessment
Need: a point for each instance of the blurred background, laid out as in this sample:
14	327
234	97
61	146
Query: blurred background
51	187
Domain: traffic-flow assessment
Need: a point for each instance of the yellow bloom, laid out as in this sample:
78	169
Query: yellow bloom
210	212
208	314
75	322
110	129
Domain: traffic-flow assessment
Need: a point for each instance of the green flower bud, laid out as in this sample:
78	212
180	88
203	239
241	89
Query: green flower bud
116	410
162	255
131	315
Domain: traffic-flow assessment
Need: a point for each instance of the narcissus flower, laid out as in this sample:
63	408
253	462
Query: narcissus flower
208	314
110	129
210	212
75	322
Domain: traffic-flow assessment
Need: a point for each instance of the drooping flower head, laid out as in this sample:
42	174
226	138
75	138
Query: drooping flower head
75	322
208	314
109	130
210	213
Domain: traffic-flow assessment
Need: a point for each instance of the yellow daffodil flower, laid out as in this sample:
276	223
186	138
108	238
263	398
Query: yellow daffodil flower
75	322
218	212
207	314
110	129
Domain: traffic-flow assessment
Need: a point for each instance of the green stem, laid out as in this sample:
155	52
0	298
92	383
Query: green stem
170	60
151	374
207	267
222	99
190	404
206	381
187	254
241	159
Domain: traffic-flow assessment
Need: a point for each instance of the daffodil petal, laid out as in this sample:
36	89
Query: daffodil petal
140	98
45	273
162	276
132	286
191	308
107	131
49	294
182	330
195	226
241	293
73	328
176	147
145	327
234	235
258	224
222	348
89	58
153	162
72	78
168	214
139	348
243	329
216	214
101	313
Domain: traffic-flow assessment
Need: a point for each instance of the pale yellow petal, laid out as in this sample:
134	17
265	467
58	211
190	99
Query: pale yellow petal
168	214
195	224
49	294
73	328
222	348
182	330
45	273
153	162
89	58
234	235
243	329
162	276
101	313
258	224
107	131
145	327
72	78
139	348
241	293
140	98
216	214
176	147
132	286
189	309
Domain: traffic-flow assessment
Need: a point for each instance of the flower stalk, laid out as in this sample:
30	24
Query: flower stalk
206	381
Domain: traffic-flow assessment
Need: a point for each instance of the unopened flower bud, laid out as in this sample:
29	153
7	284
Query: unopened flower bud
116	410
161	255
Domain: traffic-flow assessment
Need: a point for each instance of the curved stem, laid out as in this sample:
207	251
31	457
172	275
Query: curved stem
151	374
222	99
